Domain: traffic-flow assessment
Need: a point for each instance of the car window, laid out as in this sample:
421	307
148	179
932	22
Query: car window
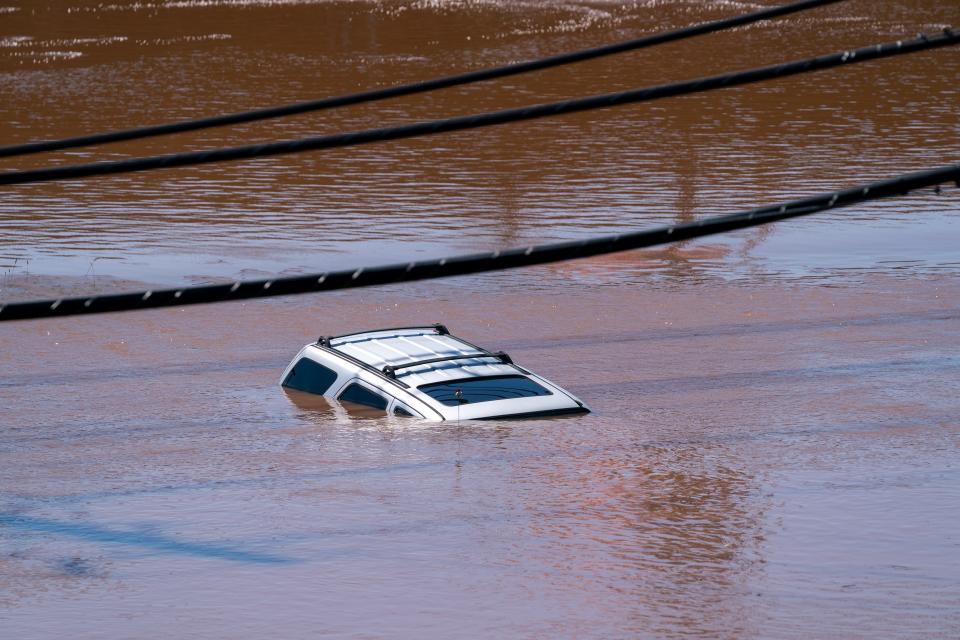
310	376
358	394
400	410
473	390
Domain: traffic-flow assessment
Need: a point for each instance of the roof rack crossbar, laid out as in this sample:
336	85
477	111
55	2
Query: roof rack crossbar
391	370
439	328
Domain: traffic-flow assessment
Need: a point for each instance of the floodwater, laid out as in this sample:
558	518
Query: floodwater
773	451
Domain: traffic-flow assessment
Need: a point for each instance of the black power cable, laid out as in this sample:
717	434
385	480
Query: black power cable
475	263
412	88
431	127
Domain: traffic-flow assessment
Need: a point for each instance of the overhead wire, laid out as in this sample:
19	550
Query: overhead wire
475	263
415	87
433	127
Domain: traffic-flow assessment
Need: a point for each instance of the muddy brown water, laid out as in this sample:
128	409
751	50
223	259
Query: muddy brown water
773	448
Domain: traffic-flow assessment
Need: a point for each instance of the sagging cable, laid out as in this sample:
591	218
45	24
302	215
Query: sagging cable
411	88
475	263
433	127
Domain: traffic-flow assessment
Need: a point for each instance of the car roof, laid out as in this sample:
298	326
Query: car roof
402	346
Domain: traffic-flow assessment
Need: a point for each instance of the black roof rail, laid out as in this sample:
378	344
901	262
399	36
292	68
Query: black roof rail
391	370
324	341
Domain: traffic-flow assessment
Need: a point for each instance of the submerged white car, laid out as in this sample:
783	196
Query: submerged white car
424	372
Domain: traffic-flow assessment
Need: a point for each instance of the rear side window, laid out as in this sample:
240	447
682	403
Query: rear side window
473	390
400	410
361	395
310	376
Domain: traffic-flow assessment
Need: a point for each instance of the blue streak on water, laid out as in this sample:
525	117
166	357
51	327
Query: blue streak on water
142	539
